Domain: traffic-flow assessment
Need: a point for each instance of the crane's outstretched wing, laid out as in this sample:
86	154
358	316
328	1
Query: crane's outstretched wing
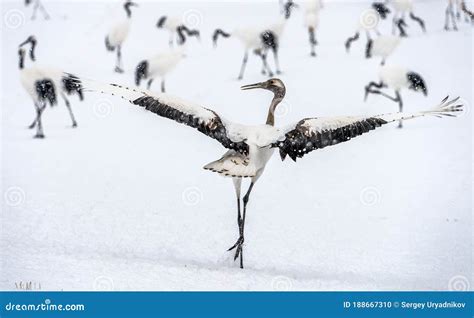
203	119
315	133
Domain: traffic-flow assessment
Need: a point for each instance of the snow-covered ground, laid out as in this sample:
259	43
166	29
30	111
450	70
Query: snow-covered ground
122	202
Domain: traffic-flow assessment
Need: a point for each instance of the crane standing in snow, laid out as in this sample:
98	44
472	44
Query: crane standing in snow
260	41
158	65
176	29
45	84
311	21
118	34
251	147
396	78
368	22
401	8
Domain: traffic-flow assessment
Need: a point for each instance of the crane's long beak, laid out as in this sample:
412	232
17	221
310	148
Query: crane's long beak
253	86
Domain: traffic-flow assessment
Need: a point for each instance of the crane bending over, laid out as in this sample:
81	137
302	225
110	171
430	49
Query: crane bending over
250	147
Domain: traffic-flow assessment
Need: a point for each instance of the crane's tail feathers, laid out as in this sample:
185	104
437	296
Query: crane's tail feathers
108	46
447	108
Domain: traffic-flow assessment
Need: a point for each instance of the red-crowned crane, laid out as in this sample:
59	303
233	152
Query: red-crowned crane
159	65
311	21
176	29
45	84
260	40
368	22
401	9
396	78
118	34
250	147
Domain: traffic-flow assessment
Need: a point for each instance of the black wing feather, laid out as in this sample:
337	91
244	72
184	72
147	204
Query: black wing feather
214	128
302	140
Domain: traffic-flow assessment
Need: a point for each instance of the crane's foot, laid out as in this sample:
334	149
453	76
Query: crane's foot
400	125
74	125
118	70
313	54
239	242
39	136
238	248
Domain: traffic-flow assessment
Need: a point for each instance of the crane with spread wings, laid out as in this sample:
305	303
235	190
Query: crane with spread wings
251	147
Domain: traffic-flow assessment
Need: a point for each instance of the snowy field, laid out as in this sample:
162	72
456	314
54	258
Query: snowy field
122	202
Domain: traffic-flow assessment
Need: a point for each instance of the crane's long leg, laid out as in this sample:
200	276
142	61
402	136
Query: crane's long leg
447	14
39	126
398	98
419	20
149	83
394	23
265	64
163	85
237	186
244	63
118	67
453	20
368	88
33	124
239	244
277	61
312	40
68	105
45	14
35	9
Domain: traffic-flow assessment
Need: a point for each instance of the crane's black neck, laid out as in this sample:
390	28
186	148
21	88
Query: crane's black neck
127	6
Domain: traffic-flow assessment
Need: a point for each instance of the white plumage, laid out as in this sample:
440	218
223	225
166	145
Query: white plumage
159	65
383	46
118	34
394	76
